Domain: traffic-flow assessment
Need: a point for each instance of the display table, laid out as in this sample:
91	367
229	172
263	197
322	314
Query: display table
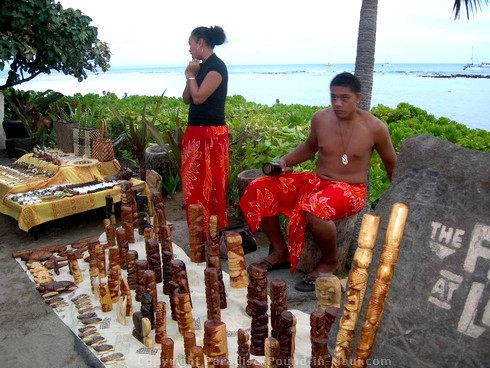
29	174
136	354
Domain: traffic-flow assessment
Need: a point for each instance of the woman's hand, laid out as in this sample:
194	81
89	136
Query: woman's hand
192	69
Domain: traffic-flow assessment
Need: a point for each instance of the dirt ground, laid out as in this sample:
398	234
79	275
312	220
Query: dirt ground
31	335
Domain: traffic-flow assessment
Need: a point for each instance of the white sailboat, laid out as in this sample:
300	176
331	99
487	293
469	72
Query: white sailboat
472	65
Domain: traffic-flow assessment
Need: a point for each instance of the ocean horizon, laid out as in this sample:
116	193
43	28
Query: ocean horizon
443	90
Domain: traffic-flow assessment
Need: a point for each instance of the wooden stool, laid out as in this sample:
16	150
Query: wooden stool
310	254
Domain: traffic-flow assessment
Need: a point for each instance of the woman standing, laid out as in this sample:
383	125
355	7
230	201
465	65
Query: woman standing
205	143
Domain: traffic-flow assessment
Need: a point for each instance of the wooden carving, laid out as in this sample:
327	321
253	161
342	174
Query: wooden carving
243	349
189	343
127	222
114	257
172	286
160	322
328	291
183	311
123	246
101	264
74	267
109	209
110	233
320	356
213	257
105	297
167	355
166	239
379	291
197	357
148	233
140	265
196	233
286	336
153	256
126	292
257	285
356	288
141	329
114	282
212	294
236	260
179	275
279	303
147	309
94	276
271	352
91	248
150	285
215	340
131	257
159	208
166	270
259	330
128	198
317	325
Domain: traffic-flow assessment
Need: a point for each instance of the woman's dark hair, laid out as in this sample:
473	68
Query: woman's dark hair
214	36
346	80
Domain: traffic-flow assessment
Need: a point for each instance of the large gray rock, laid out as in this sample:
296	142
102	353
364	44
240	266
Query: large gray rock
437	313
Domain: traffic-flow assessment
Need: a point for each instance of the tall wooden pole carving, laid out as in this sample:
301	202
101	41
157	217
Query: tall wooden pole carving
379	291
356	288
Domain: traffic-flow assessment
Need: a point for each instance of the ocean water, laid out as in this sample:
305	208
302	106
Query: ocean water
443	90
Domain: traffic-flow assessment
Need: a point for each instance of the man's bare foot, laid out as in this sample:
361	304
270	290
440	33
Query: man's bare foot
324	268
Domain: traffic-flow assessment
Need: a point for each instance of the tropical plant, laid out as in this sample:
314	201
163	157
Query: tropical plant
32	109
170	142
74	111
39	36
366	42
471	6
137	132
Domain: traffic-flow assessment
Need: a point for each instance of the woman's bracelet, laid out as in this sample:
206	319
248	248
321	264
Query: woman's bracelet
190	78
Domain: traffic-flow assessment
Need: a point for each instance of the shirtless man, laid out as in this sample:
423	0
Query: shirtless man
344	137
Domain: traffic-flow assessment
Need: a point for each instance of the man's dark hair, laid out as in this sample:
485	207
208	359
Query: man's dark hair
346	80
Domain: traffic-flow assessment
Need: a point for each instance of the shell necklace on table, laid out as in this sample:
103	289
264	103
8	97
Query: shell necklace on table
344	159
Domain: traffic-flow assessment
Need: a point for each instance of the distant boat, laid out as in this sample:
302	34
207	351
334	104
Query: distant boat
387	64
485	65
472	65
328	64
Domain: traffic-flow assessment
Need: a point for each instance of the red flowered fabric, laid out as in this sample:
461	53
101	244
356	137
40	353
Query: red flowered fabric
204	170
294	193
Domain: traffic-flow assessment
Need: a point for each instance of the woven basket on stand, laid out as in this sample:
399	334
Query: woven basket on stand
82	141
64	135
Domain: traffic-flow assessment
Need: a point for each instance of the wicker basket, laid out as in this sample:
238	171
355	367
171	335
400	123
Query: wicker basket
64	135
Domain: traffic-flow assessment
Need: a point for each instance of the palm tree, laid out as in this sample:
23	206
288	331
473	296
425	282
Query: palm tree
366	41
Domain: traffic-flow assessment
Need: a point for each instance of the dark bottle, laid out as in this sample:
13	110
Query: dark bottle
272	168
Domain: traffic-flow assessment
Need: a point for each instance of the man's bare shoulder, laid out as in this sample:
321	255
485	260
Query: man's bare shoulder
323	115
371	121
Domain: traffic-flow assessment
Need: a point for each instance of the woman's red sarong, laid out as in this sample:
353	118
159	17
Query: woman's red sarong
294	193
204	170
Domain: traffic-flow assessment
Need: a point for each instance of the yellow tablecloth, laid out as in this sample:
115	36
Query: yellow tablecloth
68	173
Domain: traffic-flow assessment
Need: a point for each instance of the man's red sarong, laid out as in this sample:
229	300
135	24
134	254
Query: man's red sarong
204	170
294	193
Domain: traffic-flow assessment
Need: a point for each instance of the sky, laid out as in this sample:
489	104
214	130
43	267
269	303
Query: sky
156	32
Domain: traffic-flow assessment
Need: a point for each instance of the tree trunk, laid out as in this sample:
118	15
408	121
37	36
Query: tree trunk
364	69
366	45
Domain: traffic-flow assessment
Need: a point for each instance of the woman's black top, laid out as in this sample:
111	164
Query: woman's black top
212	111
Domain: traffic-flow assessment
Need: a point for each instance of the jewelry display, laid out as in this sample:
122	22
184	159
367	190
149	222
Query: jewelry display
61	191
